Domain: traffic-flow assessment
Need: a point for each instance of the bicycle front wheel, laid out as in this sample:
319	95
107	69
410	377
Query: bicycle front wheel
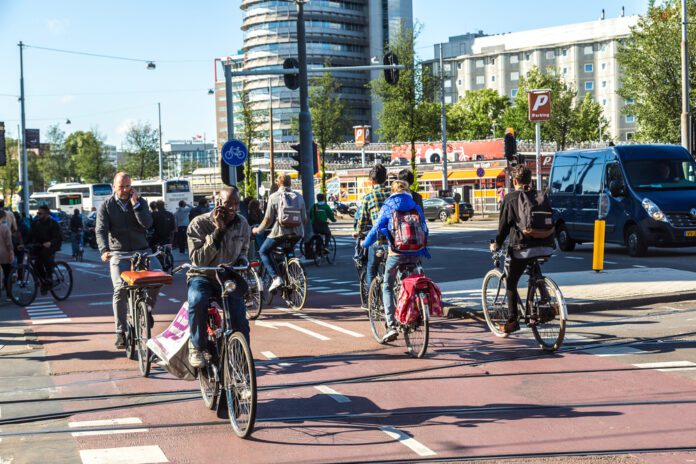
22	286
62	281
142	331
296	285
416	333
240	385
331	250
549	307
494	302
378	320
252	300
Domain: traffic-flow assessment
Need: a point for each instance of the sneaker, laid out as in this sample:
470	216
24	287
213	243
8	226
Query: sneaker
196	358
277	282
390	336
120	341
512	325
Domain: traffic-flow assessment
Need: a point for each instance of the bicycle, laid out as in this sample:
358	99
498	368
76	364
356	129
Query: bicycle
140	282
230	365
167	258
319	251
361	267
22	282
544	309
290	269
253	298
415	333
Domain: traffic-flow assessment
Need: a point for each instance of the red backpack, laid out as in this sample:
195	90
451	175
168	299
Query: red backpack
407	231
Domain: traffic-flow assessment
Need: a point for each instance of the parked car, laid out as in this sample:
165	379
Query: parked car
645	193
443	208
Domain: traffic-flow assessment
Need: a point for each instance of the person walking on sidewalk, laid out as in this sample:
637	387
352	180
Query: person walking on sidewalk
6	250
182	221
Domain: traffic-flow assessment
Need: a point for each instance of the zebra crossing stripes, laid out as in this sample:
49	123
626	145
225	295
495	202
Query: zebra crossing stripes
45	311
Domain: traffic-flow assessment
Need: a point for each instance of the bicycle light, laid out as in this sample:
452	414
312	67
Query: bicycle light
230	286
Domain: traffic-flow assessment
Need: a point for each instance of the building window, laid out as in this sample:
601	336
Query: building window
629	135
448	99
515	76
479	63
604	66
564	52
448	84
604	102
629	101
603	47
589	85
550	55
514	59
513	93
604	84
459	66
587	50
480	80
565	71
589	68
527	56
492	61
630	119
492	78
459	82
447	67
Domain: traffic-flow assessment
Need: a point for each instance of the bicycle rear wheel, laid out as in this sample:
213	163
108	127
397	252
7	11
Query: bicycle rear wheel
549	306
296	285
240	385
494	302
62	281
142	332
378	321
331	250
22	286
416	333
252	300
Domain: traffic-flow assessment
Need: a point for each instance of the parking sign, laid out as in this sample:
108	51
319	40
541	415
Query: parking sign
539	105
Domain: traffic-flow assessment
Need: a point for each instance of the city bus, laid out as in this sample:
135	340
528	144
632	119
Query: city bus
66	202
93	195
171	191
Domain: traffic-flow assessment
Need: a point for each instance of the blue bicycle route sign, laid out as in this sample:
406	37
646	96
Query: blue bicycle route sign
234	152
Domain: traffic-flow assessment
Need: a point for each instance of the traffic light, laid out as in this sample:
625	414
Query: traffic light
298	156
292	81
391	75
3	157
510	144
225	173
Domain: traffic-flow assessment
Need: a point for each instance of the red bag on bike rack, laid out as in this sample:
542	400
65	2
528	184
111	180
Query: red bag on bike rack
406	307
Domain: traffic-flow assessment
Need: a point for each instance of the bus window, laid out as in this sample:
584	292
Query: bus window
149	190
34	203
102	189
174	186
70	200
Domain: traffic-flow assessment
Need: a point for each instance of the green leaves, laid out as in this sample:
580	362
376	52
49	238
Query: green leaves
252	119
88	155
473	116
142	151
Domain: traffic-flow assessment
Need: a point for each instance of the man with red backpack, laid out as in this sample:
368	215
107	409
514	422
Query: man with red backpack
402	221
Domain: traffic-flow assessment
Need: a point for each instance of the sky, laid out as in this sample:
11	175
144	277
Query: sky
183	38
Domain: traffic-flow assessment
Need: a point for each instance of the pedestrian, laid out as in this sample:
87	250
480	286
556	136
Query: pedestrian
182	221
77	232
200	209
6	249
407	176
457	197
254	218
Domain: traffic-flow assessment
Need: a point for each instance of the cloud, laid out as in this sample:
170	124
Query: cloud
65	99
126	124
57	26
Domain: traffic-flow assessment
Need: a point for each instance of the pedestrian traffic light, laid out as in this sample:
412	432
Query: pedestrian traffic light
391	75
225	174
292	81
510	144
3	156
298	157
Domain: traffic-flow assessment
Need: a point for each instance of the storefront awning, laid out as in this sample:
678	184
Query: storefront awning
431	175
470	174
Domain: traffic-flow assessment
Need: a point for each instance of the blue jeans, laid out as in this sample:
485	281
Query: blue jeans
77	241
372	264
265	254
200	289
390	270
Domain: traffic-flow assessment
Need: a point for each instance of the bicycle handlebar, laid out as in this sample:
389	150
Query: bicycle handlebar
219	268
122	257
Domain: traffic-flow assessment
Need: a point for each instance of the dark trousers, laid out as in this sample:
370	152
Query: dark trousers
516	269
323	229
6	271
181	238
44	263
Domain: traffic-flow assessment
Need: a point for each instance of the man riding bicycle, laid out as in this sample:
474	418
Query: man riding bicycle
122	223
163	228
219	237
286	211
400	201
320	214
369	213
523	248
46	240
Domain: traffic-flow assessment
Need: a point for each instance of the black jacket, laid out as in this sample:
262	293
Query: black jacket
509	218
197	211
43	231
119	230
163	227
76	223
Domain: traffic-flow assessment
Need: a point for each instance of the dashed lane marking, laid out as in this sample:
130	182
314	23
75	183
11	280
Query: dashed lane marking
100	303
574	257
610	262
479	250
415	446
325	324
125	455
107	423
290	325
669	366
270	356
606	351
174	300
639	266
336	396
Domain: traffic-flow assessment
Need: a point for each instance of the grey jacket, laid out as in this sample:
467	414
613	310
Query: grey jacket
210	247
119	230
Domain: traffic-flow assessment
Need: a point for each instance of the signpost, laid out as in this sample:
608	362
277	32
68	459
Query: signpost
362	138
539	110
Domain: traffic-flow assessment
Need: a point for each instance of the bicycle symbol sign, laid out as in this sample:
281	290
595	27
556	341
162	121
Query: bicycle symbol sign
234	152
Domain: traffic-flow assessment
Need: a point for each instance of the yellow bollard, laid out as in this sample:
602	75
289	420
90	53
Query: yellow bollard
598	251
456	212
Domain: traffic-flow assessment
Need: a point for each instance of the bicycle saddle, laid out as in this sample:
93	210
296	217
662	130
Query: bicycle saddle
142	278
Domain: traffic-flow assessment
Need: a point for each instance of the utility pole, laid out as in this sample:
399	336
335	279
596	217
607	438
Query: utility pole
159	119
270	135
686	111
227	64
23	171
443	122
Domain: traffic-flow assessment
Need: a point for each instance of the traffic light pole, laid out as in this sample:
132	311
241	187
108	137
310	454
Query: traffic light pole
443	123
230	114
23	171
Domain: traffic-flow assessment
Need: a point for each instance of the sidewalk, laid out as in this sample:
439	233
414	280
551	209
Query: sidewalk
589	290
15	336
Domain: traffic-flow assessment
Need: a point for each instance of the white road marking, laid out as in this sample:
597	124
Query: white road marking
174	300
454	292
106	423
639	266
270	356
336	396
354	292
46	316
605	351
162	294
290	325
321	280
330	326
314	289
610	262
98	274
405	440
480	250
573	257
343	282
100	303
43	306
124	455
334	290
669	366
51	321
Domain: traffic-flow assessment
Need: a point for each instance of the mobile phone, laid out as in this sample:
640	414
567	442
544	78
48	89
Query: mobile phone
218	201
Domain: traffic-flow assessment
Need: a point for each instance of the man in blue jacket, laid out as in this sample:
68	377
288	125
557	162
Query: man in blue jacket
400	200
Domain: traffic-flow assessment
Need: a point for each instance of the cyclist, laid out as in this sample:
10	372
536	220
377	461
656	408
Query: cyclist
77	227
400	200
219	237
281	204
45	238
320	214
369	213
122	224
522	248
407	176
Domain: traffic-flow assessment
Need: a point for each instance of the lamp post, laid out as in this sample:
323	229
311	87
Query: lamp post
686	110
305	117
23	170
271	156
443	122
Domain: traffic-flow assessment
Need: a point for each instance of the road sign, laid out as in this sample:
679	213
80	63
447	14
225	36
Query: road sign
362	135
480	172
539	105
234	152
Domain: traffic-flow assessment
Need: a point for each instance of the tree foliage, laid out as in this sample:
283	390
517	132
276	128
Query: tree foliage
142	151
651	71
54	164
329	123
9	174
252	119
87	151
472	117
588	119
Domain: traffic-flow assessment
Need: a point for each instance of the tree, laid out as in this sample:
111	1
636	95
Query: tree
651	71
472	117
329	123
53	164
9	174
407	115
141	146
251	122
90	159
588	120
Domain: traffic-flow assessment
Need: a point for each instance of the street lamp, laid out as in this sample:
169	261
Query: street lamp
211	92
67	121
151	66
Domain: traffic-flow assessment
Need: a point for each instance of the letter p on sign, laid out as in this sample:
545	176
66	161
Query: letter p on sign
539	105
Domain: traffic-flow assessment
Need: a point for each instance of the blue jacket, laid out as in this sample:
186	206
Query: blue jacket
396	202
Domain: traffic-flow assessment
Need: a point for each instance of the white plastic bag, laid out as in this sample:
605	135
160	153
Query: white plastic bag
171	346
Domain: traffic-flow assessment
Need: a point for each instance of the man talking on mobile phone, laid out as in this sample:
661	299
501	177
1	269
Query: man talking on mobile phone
122	223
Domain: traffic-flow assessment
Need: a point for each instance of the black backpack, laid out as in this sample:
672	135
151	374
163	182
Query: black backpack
535	219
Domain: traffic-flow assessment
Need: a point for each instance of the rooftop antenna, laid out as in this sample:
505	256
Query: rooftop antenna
602	18
623	11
